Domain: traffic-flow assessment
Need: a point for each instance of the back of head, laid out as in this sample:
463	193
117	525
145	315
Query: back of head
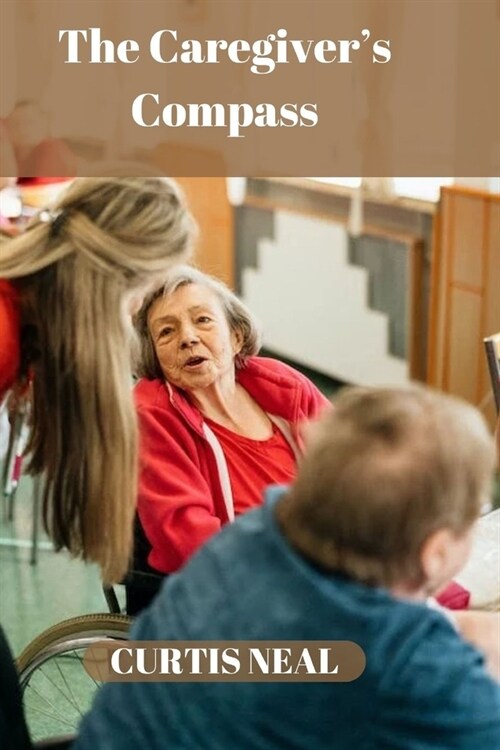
78	267
125	227
387	468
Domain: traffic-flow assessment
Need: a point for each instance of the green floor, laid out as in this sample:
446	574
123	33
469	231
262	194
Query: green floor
35	597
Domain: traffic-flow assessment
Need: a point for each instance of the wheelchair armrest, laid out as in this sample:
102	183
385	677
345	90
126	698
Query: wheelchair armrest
56	743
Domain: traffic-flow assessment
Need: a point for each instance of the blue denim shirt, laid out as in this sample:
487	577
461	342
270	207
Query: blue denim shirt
423	687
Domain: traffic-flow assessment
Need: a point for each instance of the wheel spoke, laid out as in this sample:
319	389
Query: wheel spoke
55	713
57	690
51	680
73	699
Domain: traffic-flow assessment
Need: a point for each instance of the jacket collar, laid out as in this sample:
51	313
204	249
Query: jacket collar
273	389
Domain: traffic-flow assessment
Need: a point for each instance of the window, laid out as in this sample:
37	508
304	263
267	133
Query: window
423	188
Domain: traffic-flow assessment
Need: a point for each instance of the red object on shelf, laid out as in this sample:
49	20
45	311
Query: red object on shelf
454	596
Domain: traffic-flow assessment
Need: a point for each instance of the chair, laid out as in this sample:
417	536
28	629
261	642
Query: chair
142	582
492	348
13	464
56	690
13	458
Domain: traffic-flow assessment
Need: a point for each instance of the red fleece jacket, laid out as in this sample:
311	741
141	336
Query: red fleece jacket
181	502
9	336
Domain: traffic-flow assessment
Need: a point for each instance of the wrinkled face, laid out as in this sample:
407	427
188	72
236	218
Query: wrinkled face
192	339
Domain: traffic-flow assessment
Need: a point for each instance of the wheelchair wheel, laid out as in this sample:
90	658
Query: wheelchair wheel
57	691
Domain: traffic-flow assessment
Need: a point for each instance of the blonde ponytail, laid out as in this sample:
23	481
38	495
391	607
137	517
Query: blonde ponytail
105	239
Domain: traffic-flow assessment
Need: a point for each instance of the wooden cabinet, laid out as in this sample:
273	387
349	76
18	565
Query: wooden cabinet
209	204
465	294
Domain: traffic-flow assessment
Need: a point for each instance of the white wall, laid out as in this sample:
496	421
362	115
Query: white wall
313	304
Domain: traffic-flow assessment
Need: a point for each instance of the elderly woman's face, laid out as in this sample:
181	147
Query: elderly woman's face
192	339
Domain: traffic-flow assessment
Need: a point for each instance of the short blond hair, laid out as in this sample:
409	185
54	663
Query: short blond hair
387	468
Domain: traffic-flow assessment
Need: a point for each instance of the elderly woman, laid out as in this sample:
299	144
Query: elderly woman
217	423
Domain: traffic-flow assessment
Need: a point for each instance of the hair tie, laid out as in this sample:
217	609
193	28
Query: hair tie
56	218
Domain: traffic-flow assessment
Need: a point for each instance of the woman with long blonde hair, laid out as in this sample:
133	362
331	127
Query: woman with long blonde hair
67	287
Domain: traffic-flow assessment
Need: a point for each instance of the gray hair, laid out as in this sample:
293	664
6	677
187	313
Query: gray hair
239	318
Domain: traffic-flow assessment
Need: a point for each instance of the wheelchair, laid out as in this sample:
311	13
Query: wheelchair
142	582
56	689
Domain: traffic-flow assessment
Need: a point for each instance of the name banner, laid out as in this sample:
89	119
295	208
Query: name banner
225	661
